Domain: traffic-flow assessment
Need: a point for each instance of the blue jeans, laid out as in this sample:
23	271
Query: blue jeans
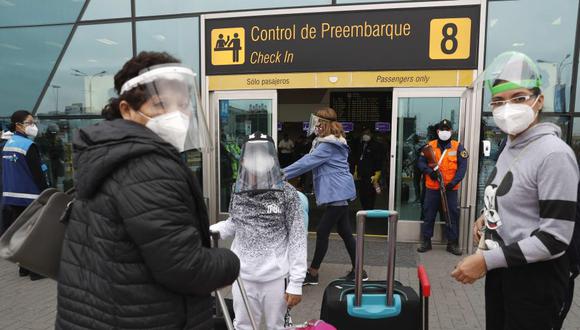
432	205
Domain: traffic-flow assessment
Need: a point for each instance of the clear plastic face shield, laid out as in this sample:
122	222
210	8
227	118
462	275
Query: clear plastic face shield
509	71
173	108
315	124
259	167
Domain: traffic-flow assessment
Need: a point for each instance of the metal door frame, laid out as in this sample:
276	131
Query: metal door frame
211	167
410	230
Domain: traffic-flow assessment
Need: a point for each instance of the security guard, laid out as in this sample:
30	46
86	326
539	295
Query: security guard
452	159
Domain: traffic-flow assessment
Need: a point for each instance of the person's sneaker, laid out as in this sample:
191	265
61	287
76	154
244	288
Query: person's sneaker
453	248
310	279
350	276
425	246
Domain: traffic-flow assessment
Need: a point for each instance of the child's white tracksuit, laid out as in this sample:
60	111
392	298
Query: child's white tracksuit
270	240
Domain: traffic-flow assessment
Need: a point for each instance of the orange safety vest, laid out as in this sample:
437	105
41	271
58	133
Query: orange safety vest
448	166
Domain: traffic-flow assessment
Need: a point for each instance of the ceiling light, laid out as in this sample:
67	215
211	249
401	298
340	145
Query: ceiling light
106	41
557	21
9	46
159	37
518	44
6	3
54	44
493	22
92	60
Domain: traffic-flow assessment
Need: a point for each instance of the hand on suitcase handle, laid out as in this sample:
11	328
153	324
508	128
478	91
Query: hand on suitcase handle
292	299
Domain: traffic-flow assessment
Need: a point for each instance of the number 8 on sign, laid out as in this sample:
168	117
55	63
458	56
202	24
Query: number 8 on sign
450	38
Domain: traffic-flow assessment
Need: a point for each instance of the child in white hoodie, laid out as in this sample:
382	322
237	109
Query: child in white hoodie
267	224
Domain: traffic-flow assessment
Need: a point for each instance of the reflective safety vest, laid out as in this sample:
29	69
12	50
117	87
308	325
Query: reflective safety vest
447	167
19	187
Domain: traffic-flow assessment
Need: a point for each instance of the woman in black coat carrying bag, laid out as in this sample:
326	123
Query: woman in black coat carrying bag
136	253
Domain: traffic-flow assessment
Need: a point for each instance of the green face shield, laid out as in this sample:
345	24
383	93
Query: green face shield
509	71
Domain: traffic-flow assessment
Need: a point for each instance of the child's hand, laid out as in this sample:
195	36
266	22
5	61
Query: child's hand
292	299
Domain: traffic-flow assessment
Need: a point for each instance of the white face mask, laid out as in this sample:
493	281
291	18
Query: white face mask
31	131
444	135
366	138
171	127
513	119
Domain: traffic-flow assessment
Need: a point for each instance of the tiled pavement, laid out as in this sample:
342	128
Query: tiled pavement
31	305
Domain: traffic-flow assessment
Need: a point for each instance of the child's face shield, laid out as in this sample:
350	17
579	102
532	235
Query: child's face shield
259	168
172	88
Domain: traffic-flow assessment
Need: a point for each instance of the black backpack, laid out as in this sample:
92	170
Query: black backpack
573	250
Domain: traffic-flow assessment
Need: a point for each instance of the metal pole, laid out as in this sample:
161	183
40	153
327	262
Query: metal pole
359	260
224	307
393	217
247	303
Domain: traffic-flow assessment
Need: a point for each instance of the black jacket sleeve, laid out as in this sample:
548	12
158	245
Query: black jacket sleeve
153	205
34	164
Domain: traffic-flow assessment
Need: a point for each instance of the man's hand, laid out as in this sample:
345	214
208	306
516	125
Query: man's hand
433	175
477	229
470	269
449	187
292	299
375	178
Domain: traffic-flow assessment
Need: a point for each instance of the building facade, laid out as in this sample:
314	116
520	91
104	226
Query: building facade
266	65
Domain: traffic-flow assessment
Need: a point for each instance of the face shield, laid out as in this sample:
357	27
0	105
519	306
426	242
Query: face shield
508	71
174	108
315	123
259	167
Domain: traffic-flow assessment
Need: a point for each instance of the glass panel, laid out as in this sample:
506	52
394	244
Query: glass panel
34	12
576	137
530	26
417	125
55	144
103	9
155	7
83	82
28	55
179	37
238	119
577	107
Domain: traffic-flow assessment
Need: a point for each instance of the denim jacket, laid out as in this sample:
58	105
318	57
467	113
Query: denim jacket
328	161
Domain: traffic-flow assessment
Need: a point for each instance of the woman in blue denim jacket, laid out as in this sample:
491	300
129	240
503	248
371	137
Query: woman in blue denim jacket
333	186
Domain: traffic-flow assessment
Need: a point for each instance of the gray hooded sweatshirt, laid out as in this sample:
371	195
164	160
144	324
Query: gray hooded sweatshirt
535	184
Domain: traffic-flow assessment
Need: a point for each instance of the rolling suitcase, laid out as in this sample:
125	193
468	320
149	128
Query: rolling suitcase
376	304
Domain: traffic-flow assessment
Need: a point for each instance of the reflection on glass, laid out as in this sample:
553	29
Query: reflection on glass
179	37
154	7
27	57
104	9
577	107
31	12
238	119
417	125
54	141
576	138
544	30
83	83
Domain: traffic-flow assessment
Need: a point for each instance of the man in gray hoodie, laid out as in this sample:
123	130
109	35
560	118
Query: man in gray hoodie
530	206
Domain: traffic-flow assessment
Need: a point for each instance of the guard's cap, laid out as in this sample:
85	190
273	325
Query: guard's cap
445	125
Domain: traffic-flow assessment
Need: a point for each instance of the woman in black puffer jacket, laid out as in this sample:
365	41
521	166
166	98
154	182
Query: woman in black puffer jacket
137	251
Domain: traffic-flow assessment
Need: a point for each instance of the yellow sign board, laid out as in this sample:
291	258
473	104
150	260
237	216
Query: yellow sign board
365	79
228	46
450	38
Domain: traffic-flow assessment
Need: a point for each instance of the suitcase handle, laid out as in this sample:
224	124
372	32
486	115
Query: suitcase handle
424	281
215	237
392	243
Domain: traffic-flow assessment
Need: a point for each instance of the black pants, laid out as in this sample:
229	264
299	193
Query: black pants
9	214
332	215
367	194
526	297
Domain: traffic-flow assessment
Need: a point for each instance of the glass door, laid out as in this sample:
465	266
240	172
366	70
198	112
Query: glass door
237	115
416	114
